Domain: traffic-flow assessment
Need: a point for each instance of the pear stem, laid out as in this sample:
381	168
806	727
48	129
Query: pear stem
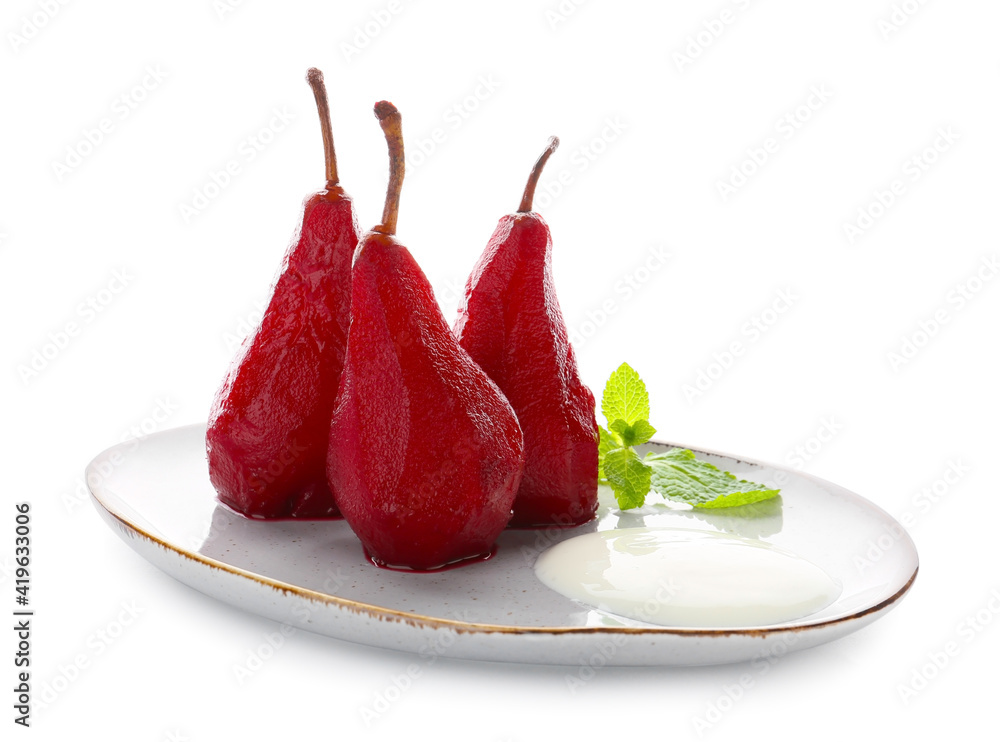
392	125
536	171
315	80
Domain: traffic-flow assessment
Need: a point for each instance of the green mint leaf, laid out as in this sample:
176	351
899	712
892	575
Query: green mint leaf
633	435
608	442
628	476
679	476
625	397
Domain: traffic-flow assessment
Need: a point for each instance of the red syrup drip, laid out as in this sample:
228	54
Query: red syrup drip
444	567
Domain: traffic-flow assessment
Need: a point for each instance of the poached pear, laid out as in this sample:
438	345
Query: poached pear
425	453
270	420
511	324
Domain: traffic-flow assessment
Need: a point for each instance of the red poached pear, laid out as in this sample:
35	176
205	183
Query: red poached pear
270	421
425	453
511	324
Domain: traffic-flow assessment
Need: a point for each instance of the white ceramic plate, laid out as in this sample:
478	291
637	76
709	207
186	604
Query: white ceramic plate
313	575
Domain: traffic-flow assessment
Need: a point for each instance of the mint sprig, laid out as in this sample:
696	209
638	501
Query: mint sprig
676	474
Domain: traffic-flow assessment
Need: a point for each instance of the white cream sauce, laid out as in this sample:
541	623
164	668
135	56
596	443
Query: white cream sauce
686	578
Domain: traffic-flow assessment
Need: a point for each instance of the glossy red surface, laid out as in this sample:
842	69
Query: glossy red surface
270	420
425	452
511	325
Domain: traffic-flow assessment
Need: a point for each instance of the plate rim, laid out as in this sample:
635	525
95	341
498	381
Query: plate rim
420	620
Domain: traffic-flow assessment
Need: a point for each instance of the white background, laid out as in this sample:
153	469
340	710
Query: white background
518	72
